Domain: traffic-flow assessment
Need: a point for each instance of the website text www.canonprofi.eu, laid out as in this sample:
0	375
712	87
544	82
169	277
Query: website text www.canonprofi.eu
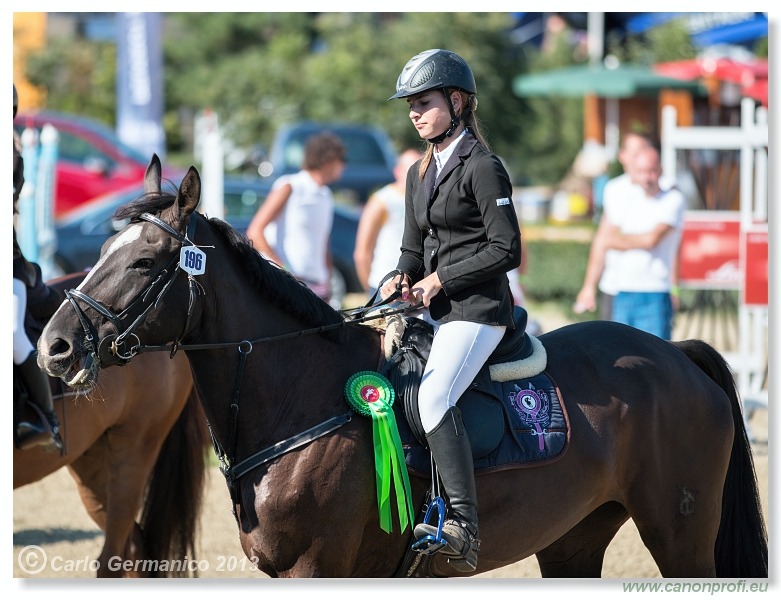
705	587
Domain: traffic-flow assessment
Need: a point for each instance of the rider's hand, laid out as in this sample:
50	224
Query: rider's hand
426	289
391	285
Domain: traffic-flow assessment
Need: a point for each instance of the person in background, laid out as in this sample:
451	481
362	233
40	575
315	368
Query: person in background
645	231
292	227
461	237
381	226
31	295
599	273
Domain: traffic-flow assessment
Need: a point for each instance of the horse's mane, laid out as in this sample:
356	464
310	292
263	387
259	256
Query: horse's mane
275	284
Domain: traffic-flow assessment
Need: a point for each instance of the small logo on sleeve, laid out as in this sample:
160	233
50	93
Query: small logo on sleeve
502	201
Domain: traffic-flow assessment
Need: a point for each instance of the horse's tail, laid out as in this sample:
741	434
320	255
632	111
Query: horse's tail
169	519
741	545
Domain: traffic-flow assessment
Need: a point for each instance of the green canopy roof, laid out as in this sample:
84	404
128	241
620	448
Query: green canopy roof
623	81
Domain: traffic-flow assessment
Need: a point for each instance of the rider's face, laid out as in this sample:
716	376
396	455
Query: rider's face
429	112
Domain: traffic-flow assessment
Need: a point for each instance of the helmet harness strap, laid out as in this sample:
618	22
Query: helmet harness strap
454	120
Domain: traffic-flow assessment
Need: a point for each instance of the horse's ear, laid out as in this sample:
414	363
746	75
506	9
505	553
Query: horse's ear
189	192
154	173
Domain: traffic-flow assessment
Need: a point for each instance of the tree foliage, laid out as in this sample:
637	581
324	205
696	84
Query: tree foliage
78	76
333	67
664	43
259	71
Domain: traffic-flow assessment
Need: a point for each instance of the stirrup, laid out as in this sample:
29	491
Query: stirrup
431	544
29	436
44	433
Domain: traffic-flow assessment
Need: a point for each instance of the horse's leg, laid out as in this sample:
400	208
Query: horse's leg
111	477
675	498
680	532
281	532
581	551
90	474
132	455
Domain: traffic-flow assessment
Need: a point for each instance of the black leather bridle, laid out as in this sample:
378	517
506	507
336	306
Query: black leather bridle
116	348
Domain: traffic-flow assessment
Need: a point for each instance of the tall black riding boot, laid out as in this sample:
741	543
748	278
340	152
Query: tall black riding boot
32	433
452	454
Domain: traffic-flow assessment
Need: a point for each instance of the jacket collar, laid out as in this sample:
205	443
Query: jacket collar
461	153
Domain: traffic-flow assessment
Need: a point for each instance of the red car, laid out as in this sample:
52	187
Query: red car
92	160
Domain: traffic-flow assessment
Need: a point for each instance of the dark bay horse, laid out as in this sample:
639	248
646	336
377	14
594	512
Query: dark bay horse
656	428
134	442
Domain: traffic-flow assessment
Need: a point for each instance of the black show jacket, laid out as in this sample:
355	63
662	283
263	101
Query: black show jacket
464	227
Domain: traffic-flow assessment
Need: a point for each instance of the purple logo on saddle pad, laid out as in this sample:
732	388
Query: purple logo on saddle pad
533	407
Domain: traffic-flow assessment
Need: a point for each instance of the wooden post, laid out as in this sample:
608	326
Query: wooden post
593	119
683	103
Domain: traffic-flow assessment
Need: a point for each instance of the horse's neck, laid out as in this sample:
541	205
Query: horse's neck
285	387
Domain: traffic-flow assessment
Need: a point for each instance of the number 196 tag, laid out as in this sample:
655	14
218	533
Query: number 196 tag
192	260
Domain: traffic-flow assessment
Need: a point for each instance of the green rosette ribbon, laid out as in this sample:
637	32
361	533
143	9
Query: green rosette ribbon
372	395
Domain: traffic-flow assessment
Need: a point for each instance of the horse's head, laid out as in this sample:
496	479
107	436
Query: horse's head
131	293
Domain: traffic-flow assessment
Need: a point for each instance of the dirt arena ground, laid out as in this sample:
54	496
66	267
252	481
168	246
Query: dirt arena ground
49	514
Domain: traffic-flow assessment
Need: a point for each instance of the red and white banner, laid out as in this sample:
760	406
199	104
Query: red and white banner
710	250
756	276
712	247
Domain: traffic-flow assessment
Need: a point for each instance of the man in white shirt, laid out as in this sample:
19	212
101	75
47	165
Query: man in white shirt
292	227
645	228
599	272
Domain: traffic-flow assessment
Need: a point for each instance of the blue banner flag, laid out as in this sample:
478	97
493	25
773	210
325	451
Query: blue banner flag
140	82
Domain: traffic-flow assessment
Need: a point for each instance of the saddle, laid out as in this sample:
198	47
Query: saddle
512	410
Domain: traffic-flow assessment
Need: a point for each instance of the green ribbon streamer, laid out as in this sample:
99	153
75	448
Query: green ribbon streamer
390	465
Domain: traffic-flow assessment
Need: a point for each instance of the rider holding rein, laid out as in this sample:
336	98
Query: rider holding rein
461	236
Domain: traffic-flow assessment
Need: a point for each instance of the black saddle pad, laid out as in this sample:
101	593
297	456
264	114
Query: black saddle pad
518	424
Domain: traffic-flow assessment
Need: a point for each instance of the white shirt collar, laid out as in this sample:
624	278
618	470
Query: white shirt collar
441	158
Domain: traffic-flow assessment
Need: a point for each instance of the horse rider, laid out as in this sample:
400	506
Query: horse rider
33	295
461	237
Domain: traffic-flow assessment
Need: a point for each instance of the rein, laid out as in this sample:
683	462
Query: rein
359	315
110	350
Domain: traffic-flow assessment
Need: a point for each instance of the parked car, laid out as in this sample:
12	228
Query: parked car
370	157
92	160
81	234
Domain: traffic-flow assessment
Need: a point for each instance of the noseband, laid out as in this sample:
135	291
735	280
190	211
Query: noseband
115	348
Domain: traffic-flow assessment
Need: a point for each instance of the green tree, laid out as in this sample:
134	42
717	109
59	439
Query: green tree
259	71
668	42
77	76
355	73
553	126
246	66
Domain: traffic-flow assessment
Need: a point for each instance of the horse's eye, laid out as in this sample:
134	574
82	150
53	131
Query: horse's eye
144	263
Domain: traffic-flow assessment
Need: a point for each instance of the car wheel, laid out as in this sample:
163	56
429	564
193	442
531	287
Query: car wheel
338	289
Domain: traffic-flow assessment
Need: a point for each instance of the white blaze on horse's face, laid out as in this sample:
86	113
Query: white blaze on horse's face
130	235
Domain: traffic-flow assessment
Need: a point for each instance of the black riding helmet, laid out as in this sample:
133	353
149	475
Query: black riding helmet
437	69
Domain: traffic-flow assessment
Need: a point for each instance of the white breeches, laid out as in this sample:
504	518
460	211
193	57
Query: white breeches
459	350
22	344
